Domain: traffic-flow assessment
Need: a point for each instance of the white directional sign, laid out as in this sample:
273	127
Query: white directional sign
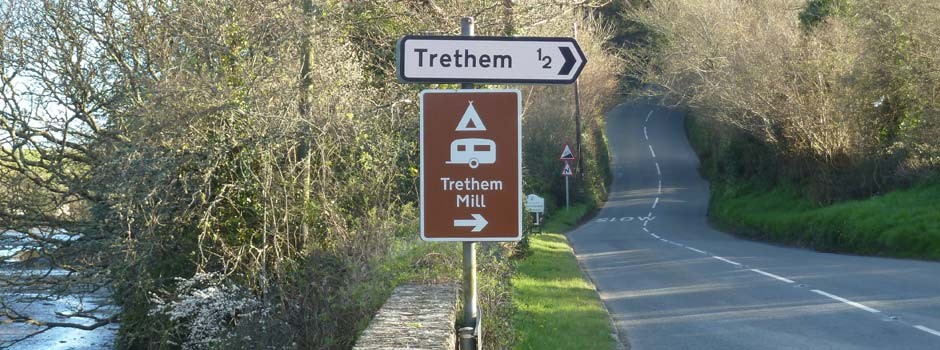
535	204
480	59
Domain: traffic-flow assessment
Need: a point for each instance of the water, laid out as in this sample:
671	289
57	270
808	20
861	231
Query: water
36	302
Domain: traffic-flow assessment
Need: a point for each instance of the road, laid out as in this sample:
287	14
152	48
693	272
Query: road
672	282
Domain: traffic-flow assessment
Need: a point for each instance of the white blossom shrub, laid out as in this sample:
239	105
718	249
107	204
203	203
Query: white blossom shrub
206	307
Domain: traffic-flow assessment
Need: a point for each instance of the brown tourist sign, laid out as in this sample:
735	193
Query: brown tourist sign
471	165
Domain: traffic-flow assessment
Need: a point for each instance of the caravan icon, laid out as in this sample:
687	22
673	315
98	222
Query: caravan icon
472	152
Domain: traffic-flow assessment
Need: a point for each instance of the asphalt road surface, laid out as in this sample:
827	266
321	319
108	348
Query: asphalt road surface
672	282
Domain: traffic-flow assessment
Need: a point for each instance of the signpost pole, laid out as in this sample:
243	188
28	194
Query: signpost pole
567	204
467	336
577	116
455	209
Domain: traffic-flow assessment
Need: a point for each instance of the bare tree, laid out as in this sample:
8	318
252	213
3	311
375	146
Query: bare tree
61	79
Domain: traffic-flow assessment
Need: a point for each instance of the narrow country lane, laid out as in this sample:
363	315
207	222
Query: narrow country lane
672	282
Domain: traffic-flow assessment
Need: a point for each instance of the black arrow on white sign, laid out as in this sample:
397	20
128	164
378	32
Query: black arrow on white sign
569	60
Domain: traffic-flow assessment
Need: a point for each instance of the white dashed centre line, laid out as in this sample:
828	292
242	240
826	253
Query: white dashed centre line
768	274
928	330
647	136
655	202
846	301
648	115
726	260
696	250
658	172
652	152
660	188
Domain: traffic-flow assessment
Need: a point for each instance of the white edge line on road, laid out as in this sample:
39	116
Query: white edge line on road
844	300
928	330
647	230
768	274
651	151
647	136
655	202
696	250
658	172
655	235
726	260
648	115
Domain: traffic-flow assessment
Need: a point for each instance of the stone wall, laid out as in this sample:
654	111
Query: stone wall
414	317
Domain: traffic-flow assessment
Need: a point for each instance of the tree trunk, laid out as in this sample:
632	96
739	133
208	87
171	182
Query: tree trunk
508	25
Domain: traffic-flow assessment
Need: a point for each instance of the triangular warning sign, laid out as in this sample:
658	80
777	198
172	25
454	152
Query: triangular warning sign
566	153
567	170
471	120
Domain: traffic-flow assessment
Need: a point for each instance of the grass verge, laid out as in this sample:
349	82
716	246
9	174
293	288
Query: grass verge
556	306
903	223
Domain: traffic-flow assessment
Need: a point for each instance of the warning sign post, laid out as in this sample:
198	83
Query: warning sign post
471	165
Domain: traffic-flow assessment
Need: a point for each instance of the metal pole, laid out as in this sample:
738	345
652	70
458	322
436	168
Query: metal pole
468	331
567	204
577	116
469	285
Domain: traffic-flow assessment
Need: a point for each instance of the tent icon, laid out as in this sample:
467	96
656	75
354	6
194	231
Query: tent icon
472	151
471	120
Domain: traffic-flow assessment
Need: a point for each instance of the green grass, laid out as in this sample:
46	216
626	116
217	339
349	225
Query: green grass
556	306
903	223
565	219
